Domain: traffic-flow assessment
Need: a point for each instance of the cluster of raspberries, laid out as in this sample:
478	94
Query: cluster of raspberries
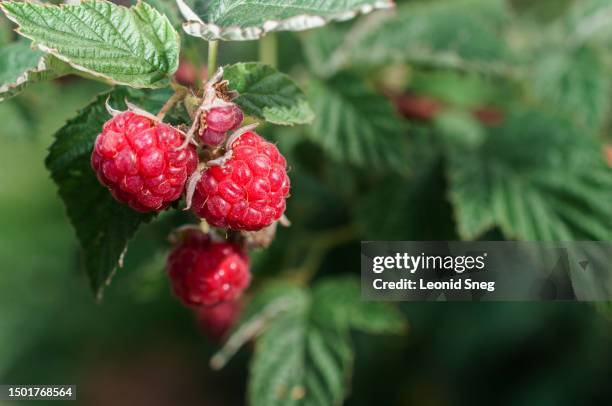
148	164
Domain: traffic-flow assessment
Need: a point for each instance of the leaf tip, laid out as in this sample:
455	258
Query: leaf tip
217	362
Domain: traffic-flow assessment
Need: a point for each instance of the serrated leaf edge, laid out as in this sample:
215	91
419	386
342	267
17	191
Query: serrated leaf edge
464	233
194	25
22	79
55	53
268	112
309	115
249	330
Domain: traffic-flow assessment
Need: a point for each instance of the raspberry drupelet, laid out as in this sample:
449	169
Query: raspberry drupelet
139	161
248	191
205	272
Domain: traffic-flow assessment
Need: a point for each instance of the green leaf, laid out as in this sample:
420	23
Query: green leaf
459	127
575	83
251	19
20	66
169	9
134	46
588	20
596	284
267	304
460	89
357	125
542	11
303	353
337	302
405	199
103	226
326	49
464	34
267	94
298	362
271	294
6	34
535	178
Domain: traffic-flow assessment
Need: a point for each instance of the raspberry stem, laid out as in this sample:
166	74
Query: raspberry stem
212	57
178	95
268	50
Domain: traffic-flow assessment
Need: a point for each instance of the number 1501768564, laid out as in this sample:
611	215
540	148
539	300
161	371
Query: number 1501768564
32	392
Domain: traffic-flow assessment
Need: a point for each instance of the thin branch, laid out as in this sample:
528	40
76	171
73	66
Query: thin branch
178	95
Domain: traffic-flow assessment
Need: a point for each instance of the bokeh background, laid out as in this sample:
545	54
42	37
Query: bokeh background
139	346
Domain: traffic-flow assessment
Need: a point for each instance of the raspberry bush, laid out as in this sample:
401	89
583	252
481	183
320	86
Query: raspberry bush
249	185
194	146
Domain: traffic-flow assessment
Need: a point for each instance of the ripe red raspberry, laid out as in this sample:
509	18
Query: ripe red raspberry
216	321
137	159
222	119
205	272
248	192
